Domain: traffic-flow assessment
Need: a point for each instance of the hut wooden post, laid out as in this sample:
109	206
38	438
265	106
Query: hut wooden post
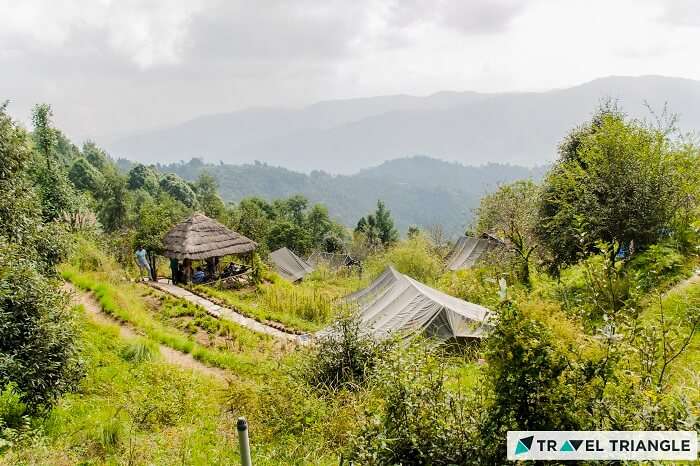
187	270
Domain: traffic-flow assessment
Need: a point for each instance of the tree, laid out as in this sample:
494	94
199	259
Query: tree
385	224
85	177
617	181
367	228
114	208
294	208
379	225
38	352
57	194
44	134
251	218
97	157
154	220
178	189
511	212
143	177
207	190
318	223
287	234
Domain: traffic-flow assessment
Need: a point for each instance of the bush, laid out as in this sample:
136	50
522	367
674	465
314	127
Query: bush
659	263
38	349
12	409
526	377
413	257
476	285
344	357
420	420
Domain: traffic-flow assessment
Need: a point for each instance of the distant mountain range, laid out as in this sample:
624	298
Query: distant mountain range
419	190
343	136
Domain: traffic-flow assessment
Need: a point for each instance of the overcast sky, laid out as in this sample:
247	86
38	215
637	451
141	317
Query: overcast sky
113	67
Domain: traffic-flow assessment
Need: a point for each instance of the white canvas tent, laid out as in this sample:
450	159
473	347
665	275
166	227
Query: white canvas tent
397	303
468	249
290	266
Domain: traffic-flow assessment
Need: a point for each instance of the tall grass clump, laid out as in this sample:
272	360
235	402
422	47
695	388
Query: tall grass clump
344	357
141	350
109	434
309	304
87	256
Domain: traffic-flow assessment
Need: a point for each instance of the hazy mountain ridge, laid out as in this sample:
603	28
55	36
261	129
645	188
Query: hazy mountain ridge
419	190
346	135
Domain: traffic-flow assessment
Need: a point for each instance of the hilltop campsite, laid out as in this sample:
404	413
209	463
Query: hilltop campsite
570	302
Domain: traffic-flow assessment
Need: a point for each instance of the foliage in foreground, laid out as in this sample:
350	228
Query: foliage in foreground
38	352
419	419
131	411
344	357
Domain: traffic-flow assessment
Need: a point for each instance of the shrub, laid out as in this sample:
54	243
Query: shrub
476	285
344	357
660	262
413	257
38	346
12	409
525	374
420	420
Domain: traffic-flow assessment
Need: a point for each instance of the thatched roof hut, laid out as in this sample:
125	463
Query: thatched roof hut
200	237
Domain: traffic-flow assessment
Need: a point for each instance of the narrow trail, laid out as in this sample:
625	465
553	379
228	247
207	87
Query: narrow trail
695	278
127	331
221	312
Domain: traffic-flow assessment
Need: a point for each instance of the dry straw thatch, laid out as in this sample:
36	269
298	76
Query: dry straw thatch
200	237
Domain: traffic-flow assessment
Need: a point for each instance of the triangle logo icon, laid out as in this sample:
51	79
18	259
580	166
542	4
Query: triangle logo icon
524	445
567	446
520	448
576	443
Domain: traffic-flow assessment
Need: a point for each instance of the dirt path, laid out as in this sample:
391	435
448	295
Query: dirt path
695	278
171	356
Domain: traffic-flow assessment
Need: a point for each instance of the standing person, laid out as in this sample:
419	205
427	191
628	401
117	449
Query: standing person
142	262
174	271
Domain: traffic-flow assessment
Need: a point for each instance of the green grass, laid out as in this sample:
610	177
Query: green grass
677	305
145	411
125	301
297	307
130	412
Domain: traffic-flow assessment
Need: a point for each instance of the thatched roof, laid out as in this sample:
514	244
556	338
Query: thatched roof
200	237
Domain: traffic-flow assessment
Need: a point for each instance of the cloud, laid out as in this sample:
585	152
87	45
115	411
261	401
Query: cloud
467	17
112	67
276	30
682	13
